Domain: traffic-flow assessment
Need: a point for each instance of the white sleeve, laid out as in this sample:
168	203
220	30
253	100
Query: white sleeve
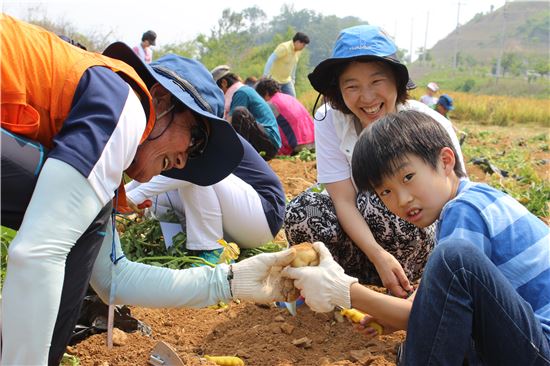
332	165
421	107
159	184
143	285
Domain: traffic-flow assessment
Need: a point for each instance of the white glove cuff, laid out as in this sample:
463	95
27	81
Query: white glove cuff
341	290
243	284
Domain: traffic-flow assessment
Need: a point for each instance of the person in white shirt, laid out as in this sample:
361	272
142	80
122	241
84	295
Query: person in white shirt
361	82
430	98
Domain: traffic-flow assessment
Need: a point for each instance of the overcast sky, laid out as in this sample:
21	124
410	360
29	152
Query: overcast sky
183	20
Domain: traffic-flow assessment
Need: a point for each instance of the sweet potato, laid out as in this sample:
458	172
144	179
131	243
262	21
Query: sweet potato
305	255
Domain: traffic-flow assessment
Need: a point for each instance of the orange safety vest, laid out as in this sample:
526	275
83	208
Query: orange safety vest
39	76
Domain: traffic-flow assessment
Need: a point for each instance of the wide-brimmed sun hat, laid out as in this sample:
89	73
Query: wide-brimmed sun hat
362	42
192	85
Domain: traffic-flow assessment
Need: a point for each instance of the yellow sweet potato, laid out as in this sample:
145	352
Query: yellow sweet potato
225	360
305	255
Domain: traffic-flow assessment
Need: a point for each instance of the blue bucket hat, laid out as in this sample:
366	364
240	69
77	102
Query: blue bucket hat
362	42
446	102
192	85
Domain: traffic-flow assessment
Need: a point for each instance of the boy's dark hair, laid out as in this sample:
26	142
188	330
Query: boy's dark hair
334	97
231	79
302	37
267	86
384	145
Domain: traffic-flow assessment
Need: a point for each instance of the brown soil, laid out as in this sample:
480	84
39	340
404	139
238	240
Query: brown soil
259	335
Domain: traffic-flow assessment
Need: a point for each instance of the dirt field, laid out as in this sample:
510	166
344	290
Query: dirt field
259	335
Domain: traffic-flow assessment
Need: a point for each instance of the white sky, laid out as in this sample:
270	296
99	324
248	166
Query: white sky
182	20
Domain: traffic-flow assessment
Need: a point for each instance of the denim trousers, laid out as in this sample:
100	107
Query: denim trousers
462	299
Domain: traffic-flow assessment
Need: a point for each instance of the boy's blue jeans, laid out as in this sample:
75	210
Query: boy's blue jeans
463	297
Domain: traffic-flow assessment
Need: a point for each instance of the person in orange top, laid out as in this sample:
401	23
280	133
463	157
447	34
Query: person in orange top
73	122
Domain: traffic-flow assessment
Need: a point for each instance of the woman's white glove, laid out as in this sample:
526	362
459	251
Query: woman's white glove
259	278
322	286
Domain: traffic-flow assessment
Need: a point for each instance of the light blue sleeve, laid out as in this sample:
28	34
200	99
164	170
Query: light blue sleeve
269	64
461	220
61	209
143	285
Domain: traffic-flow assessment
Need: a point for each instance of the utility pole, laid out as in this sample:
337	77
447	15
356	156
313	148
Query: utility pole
455	60
498	70
426	37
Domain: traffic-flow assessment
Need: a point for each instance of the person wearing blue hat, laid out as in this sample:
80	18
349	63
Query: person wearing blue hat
362	81
69	134
444	104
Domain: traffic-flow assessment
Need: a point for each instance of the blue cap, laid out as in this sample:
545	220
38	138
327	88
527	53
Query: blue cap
191	84
446	102
365	42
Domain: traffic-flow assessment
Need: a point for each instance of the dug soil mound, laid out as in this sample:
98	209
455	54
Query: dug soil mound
259	335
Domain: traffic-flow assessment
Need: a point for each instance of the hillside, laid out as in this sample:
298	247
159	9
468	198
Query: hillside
520	27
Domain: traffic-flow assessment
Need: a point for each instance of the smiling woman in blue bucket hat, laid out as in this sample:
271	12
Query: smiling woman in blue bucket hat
362	81
73	122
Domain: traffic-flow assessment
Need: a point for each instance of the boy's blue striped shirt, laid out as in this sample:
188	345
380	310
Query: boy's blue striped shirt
515	240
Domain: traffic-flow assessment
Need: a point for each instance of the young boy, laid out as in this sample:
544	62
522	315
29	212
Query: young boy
486	283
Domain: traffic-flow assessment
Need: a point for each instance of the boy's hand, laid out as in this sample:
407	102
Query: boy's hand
370	332
392	275
322	286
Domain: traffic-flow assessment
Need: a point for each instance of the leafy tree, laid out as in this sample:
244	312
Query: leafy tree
541	66
322	30
511	63
187	49
536	29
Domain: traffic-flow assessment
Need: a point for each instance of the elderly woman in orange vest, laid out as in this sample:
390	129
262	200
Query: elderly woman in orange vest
72	123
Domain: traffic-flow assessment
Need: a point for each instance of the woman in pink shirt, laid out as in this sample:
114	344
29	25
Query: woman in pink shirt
295	123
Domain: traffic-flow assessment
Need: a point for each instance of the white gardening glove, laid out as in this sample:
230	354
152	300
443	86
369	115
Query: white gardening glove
322	286
259	278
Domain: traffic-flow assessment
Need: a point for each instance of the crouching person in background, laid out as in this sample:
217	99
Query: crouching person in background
247	207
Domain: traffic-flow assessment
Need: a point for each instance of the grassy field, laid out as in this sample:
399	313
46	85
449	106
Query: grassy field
482	109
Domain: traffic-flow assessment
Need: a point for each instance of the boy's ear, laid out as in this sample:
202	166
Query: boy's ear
448	159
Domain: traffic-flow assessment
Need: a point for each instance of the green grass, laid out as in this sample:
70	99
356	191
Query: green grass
527	179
